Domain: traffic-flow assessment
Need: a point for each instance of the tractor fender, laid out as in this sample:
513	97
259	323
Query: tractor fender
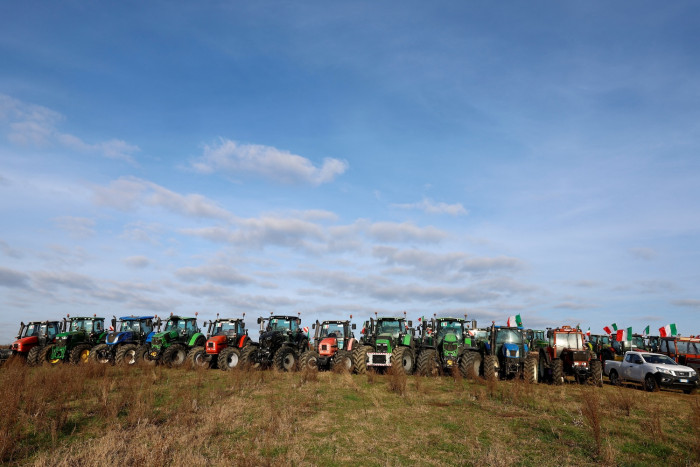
352	343
243	342
196	337
150	337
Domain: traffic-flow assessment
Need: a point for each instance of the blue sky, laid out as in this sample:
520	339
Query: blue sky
538	159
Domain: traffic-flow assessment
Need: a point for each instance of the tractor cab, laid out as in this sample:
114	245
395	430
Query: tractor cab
331	336
132	329
36	333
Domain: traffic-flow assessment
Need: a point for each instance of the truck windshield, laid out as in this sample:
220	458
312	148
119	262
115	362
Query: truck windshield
392	327
332	330
653	358
510	336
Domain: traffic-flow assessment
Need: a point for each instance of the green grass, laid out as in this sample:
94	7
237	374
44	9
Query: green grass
96	416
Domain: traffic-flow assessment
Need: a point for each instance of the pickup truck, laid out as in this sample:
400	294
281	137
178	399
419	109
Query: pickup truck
653	371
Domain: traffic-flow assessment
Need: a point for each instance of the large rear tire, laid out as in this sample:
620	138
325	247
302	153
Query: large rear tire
597	373
531	369
490	368
286	359
428	363
229	358
557	371
402	358
199	358
80	354
34	356
342	361
470	364
359	359
175	355
143	355
101	354
126	355
309	360
46	356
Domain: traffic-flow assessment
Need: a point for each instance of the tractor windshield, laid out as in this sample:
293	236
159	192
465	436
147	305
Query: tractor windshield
87	325
282	324
510	336
174	325
686	347
567	340
32	329
388	326
51	330
638	341
449	327
332	330
228	327
480	334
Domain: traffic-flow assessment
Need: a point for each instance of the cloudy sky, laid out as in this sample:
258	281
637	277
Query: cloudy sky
537	158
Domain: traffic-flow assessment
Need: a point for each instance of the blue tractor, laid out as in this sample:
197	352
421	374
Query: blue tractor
507	355
128	336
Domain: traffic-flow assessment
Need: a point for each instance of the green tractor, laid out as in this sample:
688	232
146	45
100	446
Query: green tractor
445	344
536	339
75	344
386	342
170	347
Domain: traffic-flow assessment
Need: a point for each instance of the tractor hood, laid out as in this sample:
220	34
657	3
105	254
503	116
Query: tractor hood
511	350
117	337
20	344
217	339
328	346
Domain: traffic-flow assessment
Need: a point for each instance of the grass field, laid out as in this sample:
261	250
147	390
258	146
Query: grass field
97	415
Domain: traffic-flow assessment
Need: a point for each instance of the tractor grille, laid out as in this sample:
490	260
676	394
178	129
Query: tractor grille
580	356
324	347
210	345
379	359
450	346
382	348
512	353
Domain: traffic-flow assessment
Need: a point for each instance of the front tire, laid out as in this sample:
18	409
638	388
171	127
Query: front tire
359	358
80	354
126	355
531	370
490	367
428	363
597	373
342	361
614	378
198	358
175	355
34	356
650	383
558	371
286	359
309	360
470	364
101	354
229	358
143	355
402	359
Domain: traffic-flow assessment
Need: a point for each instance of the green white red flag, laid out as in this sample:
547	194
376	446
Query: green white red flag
610	329
514	321
668	330
588	333
624	334
646	331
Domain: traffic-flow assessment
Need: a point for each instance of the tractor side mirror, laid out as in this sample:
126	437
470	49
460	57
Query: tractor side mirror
114	323
549	334
354	326
313	326
410	323
259	320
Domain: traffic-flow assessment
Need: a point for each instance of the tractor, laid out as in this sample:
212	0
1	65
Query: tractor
386	342
127	334
32	340
227	339
603	347
652	343
334	342
536	339
507	355
567	355
170	347
444	345
76	342
282	343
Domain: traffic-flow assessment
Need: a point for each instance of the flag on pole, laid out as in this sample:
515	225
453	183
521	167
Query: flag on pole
646	331
610	329
624	334
588	333
514	321
668	330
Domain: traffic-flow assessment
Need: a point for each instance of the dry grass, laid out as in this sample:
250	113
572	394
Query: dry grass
146	416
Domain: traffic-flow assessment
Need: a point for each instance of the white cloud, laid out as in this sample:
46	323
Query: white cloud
12	278
137	262
77	227
690	303
430	207
405	232
232	158
217	273
34	125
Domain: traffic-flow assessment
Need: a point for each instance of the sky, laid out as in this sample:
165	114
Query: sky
351	158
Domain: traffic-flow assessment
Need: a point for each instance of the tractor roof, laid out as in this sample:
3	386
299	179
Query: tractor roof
567	330
390	318
42	322
76	318
446	318
329	321
135	318
284	317
227	320
175	317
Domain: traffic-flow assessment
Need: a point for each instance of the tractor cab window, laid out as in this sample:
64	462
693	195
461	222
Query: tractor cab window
51	330
31	330
174	325
638	341
617	346
568	340
664	346
332	330
227	327
281	324
191	326
449	327
510	336
78	325
97	326
392	327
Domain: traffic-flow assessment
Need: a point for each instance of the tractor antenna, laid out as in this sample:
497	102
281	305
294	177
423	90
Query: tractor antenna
196	313
68	315
375	314
217	316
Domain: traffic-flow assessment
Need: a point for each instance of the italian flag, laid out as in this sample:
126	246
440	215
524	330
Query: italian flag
610	329
624	335
514	321
646	331
668	330
588	333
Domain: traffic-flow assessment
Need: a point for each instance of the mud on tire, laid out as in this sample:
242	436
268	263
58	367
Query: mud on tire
557	371
309	360
428	363
359	359
490	368
197	357
403	358
100	354
597	373
470	364
531	370
126	355
342	361
286	359
229	358
34	356
175	355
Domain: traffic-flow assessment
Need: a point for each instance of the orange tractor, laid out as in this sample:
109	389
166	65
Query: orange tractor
333	344
567	355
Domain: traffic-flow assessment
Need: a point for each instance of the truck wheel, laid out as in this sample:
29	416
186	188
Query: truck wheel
126	355
175	355
342	361
229	358
427	363
650	383
614	378
286	359
531	369
34	356
198	358
402	358
101	354
597	373
359	359
490	367
80	354
557	371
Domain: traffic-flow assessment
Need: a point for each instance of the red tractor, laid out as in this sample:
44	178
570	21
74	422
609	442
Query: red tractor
333	344
227	338
567	355
33	338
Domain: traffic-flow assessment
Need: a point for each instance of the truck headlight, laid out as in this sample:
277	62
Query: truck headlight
664	370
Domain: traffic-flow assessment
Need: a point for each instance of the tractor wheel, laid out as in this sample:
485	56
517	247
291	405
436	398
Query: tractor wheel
342	361
45	357
428	363
229	358
531	369
175	355
100	354
470	364
309	360
199	358
80	354
402	358
359	359
597	373
650	383
286	359
245	357
142	355
490	368
542	368
34	356
614	378
558	371
126	355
